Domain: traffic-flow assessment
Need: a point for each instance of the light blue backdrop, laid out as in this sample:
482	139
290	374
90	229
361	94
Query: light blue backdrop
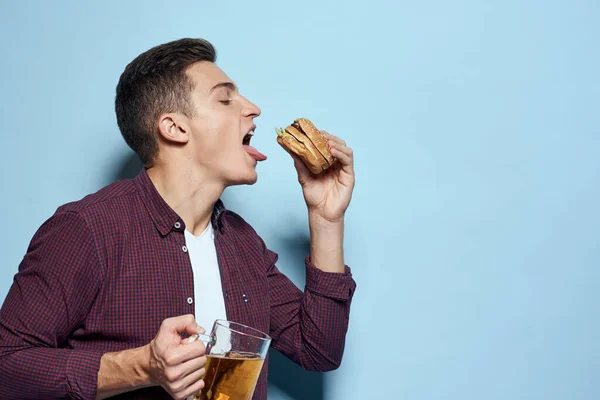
474	229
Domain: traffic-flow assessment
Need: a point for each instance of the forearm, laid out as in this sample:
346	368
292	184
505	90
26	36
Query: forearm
49	373
123	371
326	243
315	337
310	327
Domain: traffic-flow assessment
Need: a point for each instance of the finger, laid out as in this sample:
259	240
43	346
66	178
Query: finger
344	150
180	371
189	367
301	168
183	323
193	338
188	380
185	352
192	389
334	139
345	157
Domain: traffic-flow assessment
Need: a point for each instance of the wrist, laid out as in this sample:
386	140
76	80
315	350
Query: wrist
123	371
318	222
144	366
325	234
326	243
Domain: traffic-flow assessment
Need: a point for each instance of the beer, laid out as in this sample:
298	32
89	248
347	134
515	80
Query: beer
232	376
235	356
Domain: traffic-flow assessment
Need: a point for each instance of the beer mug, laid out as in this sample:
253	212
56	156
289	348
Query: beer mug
235	355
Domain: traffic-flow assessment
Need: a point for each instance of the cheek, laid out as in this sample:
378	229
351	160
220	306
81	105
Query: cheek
225	134
219	146
219	135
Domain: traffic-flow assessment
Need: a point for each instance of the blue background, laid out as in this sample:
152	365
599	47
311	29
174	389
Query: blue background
473	231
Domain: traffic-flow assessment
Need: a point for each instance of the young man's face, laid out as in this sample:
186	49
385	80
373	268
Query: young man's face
223	118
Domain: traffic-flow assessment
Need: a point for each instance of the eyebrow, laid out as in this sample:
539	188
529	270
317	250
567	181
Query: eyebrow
228	85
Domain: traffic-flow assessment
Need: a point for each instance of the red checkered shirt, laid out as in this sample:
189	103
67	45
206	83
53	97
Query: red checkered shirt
102	273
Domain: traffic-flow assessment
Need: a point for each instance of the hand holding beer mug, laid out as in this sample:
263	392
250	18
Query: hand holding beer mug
235	355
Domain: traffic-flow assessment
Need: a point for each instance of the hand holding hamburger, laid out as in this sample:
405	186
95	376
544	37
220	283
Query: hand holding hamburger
307	142
325	166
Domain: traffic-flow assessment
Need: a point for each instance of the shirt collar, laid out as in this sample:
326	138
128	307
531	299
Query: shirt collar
163	216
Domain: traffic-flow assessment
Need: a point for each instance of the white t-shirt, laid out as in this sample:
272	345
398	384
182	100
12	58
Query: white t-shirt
208	290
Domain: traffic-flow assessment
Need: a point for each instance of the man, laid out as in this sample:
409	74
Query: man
112	284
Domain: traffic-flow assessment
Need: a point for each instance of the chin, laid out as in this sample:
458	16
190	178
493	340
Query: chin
248	178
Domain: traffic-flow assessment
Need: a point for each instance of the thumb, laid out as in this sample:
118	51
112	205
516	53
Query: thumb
301	168
182	324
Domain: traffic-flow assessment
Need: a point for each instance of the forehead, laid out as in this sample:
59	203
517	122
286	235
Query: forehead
206	75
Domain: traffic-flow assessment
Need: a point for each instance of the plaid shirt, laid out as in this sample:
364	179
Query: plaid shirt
102	273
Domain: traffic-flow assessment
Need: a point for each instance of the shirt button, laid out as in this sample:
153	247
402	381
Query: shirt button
190	300
184	248
177	225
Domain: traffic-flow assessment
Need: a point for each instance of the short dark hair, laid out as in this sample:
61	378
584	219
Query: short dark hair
156	82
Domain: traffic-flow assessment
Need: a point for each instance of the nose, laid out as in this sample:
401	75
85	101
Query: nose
251	109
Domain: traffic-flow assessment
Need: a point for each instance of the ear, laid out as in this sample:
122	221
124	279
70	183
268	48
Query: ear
173	128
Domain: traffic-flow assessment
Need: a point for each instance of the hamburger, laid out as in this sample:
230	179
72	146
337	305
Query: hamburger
306	141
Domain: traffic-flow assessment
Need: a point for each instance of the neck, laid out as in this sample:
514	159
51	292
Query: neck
190	193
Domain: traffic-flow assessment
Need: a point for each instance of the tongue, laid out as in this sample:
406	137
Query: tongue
257	155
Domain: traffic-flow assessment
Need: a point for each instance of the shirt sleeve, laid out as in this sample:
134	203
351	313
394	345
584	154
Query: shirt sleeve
51	295
310	326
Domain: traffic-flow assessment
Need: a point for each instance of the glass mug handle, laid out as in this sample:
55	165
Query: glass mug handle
208	340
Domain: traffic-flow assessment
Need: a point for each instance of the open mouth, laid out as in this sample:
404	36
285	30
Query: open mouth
257	155
247	138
